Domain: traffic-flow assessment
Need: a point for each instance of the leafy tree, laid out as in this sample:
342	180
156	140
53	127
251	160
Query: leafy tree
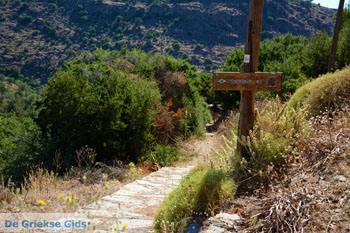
91	102
343	53
20	146
282	54
17	97
316	55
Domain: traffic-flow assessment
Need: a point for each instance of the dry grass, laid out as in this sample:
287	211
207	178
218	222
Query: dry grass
46	192
313	195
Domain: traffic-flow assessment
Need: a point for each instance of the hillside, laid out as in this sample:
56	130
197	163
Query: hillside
36	37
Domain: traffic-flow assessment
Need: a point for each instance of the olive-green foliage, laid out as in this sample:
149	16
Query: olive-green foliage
282	54
275	135
91	102
206	87
17	97
20	146
329	91
277	131
184	92
107	101
343	52
163	155
296	56
202	191
316	55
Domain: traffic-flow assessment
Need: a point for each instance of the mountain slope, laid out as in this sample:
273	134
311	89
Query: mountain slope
36	37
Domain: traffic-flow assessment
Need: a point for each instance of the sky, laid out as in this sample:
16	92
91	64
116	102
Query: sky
330	3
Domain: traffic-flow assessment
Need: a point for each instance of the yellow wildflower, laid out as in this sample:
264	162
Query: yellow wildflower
124	225
60	196
107	186
115	228
68	200
75	197
41	202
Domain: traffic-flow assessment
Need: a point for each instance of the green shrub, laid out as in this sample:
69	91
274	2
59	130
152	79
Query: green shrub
228	27
50	31
316	55
20	146
277	131
91	102
198	47
179	82
163	155
26	19
343	53
329	91
176	45
18	98
272	141
270	18
201	192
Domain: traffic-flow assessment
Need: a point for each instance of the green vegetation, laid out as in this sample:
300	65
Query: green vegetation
163	155
228	27
17	97
25	19
297	57
111	100
102	107
20	146
328	92
201	192
271	143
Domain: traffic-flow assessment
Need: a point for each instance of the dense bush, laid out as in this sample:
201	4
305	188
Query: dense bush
90	102
178	82
163	155
343	53
296	56
329	91
271	143
111	102
280	54
316	55
17	97
20	146
201	192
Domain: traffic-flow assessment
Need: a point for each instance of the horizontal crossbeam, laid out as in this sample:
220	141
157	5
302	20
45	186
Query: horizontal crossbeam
231	81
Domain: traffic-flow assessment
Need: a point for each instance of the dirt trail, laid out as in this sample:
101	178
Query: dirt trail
135	204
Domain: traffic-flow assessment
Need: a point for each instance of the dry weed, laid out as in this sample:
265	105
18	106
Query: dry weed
313	196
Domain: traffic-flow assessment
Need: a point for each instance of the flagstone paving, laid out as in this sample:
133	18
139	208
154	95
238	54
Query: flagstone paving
135	204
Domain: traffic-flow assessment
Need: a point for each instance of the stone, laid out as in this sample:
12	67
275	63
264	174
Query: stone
228	219
339	178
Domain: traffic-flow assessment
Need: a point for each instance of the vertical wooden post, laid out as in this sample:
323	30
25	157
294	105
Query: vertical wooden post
335	37
251	58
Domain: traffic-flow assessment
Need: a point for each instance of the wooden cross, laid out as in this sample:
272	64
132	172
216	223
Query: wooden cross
250	81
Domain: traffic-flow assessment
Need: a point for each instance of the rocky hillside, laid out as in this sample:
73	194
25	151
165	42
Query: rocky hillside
36	37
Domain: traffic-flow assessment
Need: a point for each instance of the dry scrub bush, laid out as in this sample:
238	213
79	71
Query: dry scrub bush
308	198
328	91
200	194
276	132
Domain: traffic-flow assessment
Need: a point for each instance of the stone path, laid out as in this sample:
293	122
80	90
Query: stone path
135	204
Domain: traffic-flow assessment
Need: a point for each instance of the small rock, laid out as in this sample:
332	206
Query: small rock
215	229
339	178
228	219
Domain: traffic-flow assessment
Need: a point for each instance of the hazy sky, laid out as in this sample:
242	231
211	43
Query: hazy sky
330	3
